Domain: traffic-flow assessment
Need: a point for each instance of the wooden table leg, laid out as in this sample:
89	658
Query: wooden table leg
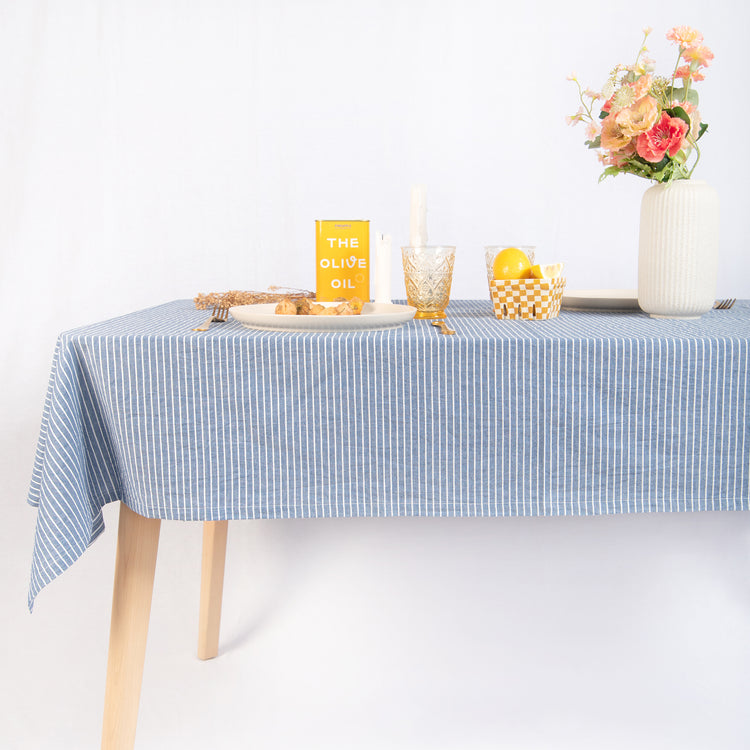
212	586
137	545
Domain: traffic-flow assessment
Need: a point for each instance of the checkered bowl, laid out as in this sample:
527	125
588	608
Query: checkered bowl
527	299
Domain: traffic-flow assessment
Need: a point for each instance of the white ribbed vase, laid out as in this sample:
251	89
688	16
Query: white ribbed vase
678	255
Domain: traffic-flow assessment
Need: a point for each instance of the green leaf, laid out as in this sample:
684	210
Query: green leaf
603	114
654	166
638	167
701	130
680	157
665	173
596	143
679	112
609	172
692	95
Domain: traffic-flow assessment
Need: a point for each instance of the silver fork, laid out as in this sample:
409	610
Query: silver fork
724	304
218	315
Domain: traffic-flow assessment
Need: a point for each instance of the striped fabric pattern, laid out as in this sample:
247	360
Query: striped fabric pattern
586	413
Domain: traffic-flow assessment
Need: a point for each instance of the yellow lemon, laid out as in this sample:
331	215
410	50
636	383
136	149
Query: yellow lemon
511	263
550	271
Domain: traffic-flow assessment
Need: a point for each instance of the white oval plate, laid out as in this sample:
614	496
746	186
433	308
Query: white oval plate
600	299
375	316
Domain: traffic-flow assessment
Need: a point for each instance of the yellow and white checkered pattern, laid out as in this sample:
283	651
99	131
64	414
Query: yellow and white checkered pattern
528	299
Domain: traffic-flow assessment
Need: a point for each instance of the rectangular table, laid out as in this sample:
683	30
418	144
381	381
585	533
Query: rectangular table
588	413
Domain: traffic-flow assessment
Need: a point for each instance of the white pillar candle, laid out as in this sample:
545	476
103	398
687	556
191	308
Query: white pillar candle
383	268
418	217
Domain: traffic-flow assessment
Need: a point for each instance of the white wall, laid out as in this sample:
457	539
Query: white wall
155	149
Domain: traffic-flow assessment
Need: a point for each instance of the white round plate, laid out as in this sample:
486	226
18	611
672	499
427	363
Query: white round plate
600	299
375	316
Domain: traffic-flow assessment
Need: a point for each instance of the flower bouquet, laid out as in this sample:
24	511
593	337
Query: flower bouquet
648	125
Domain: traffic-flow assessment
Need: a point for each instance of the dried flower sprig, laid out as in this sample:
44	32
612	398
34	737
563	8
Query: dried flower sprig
235	297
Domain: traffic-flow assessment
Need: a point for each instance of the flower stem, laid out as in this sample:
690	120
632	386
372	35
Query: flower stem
583	101
694	144
677	65
642	49
687	88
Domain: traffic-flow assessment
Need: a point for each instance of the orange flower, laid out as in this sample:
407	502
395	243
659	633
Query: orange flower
695	123
685	36
687	106
613	139
618	158
638	118
592	130
701	55
642	86
684	71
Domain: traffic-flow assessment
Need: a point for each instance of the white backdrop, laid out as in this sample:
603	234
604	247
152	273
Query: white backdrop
155	149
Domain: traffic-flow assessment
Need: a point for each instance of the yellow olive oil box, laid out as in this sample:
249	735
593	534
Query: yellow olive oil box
342	258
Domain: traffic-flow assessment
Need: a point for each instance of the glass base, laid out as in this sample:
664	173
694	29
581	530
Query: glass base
423	315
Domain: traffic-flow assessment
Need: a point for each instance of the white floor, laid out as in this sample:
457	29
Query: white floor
617	633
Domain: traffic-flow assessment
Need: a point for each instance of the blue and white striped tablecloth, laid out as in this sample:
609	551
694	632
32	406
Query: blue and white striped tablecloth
584	414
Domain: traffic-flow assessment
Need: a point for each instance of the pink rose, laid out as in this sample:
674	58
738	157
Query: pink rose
667	136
